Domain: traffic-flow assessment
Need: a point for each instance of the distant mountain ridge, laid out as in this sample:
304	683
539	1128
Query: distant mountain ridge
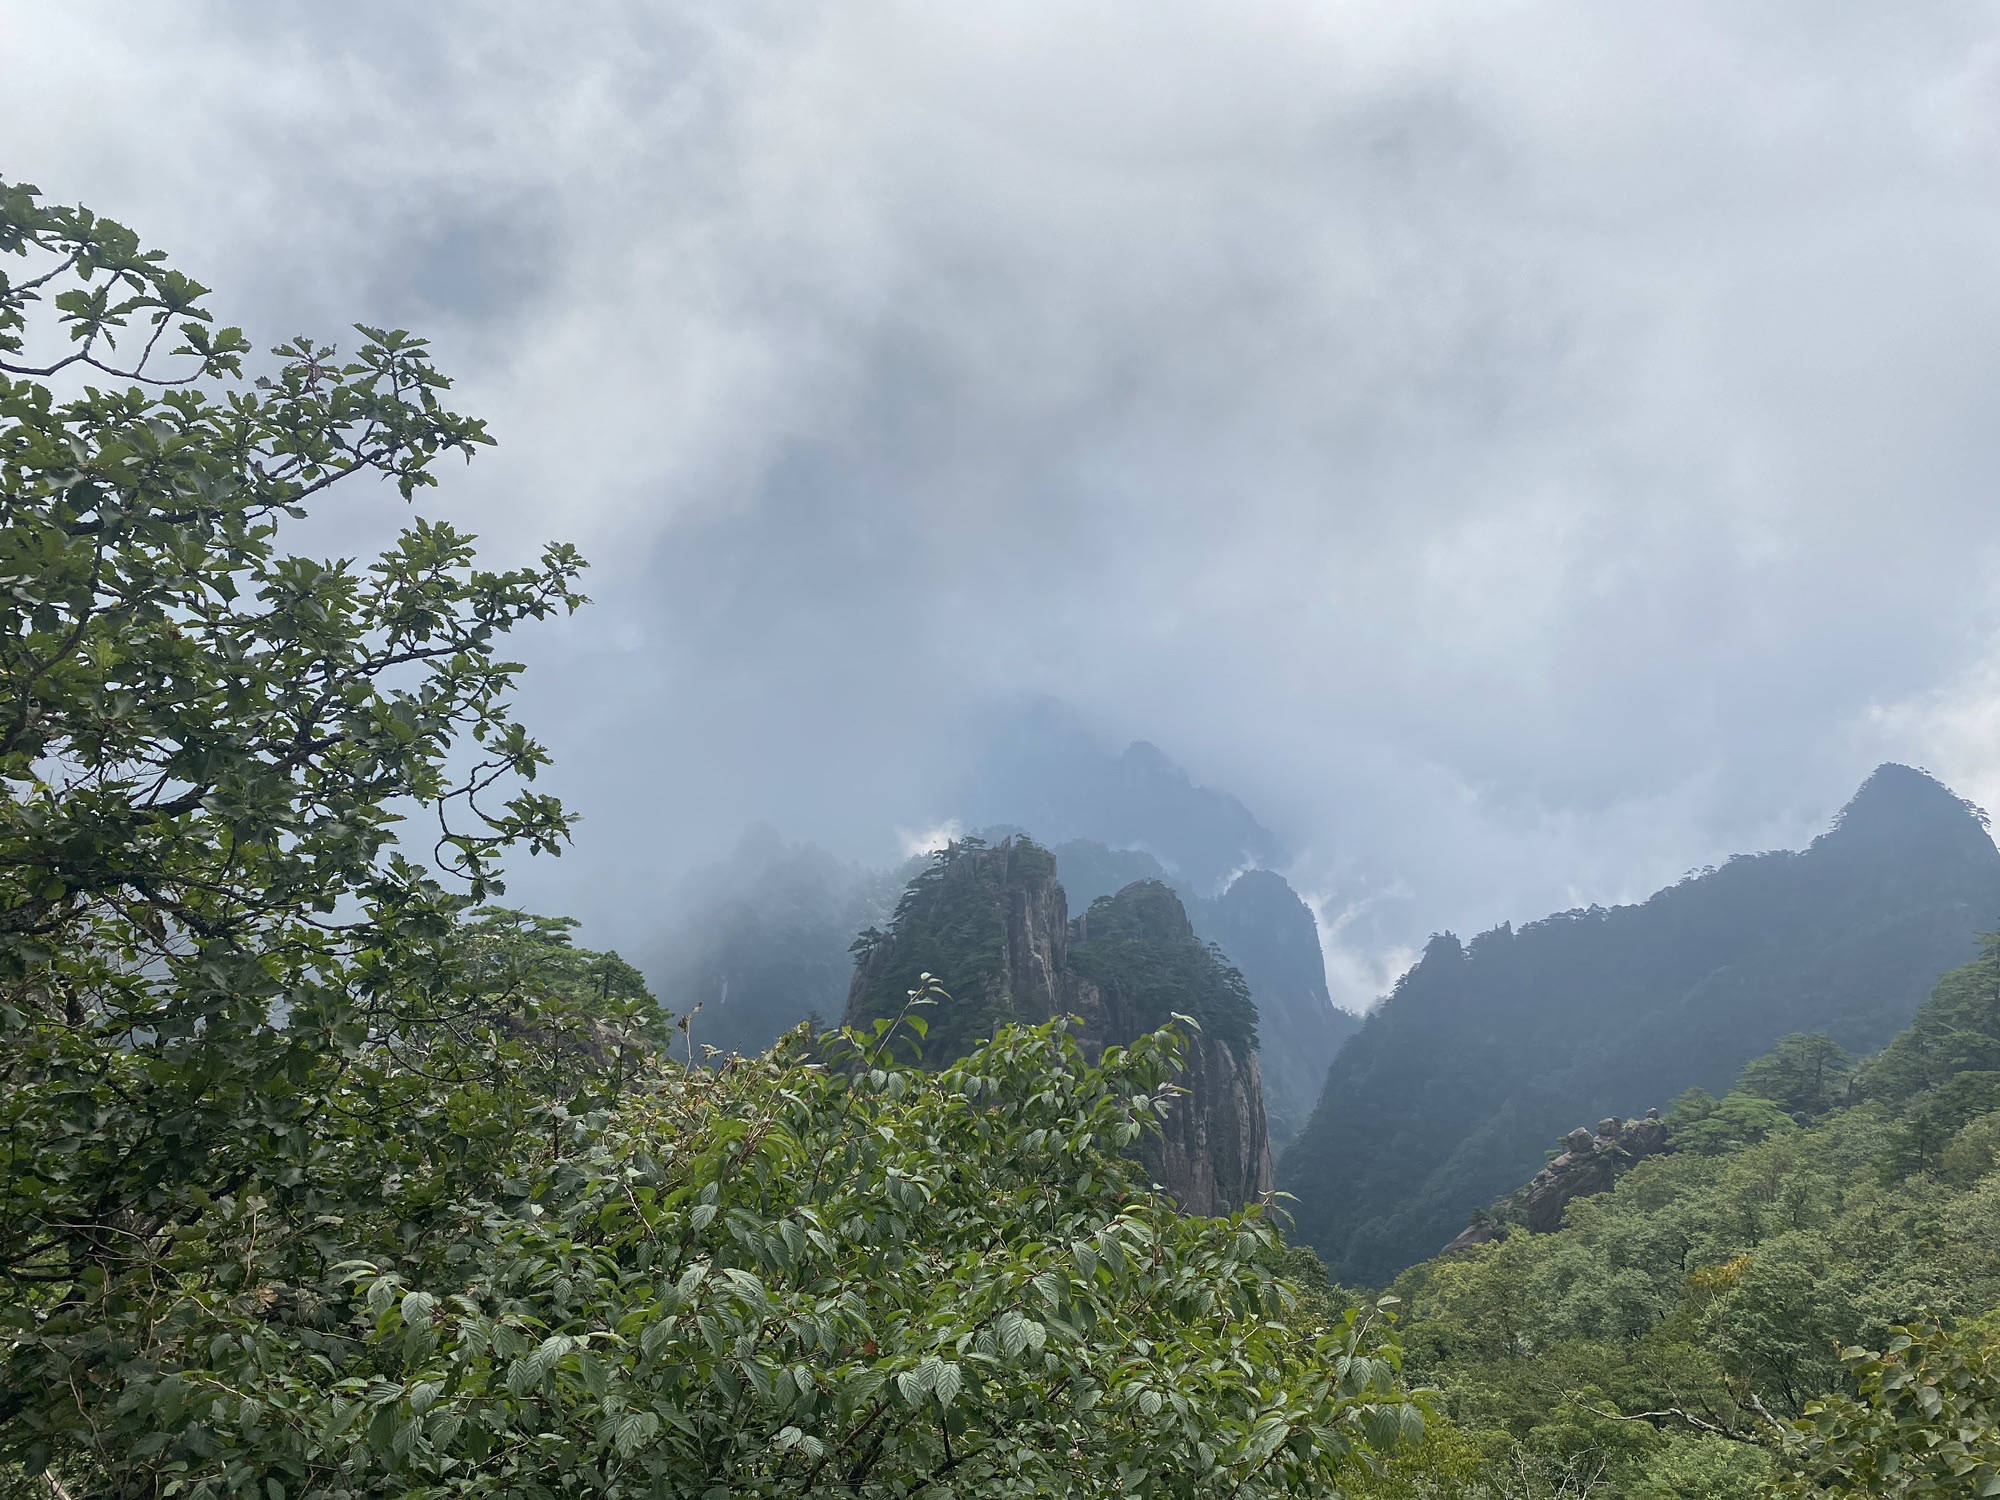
1039	768
1485	1052
764	937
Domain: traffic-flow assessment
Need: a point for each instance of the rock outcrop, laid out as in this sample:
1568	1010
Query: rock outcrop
1268	933
992	923
1591	1162
1271	934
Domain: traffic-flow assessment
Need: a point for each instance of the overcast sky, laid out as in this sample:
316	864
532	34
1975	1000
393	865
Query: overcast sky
1524	451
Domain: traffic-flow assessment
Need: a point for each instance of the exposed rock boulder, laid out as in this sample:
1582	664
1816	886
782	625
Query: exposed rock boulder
1591	1162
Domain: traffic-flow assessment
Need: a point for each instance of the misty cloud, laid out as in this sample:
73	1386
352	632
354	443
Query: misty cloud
1522	452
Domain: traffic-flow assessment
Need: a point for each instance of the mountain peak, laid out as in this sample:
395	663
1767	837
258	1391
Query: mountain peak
1899	805
1482	1055
1041	766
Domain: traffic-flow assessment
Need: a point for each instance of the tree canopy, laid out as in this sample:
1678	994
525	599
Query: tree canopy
322	1175
1801	1300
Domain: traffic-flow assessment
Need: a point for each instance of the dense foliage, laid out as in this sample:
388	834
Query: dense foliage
1924	1419
1138	948
317	1177
778	1277
1667	1340
1447	1097
763	939
320	1175
209	745
952	921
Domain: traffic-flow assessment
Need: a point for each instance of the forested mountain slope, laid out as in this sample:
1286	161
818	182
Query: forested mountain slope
1270	934
1487	1052
762	940
1812	1207
765	941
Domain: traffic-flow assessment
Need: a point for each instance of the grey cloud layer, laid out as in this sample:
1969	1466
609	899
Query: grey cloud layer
1524	451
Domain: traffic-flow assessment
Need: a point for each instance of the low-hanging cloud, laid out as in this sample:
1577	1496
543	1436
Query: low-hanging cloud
1523	451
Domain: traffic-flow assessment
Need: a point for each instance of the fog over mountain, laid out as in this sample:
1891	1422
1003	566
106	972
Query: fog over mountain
1519	453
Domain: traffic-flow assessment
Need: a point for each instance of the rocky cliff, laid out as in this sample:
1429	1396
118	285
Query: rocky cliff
1271	934
992	923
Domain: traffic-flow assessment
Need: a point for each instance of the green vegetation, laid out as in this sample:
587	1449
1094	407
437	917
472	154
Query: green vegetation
952	922
1447	1097
1924	1420
319	1176
1667	1340
764	942
991	917
1138	948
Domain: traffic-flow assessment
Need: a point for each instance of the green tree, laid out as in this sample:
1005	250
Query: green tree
810	1273
1957	1030
1805	1074
220	976
1924	1419
1138	944
1736	1119
210	745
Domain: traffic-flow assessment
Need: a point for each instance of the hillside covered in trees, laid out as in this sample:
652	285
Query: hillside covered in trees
764	940
992	923
1270	935
1655	1347
1488	1050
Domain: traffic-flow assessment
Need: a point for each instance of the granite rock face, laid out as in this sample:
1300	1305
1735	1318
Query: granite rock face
1214	1155
1271	934
992	923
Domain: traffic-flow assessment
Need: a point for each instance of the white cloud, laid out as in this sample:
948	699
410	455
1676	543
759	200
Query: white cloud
1520	449
929	840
